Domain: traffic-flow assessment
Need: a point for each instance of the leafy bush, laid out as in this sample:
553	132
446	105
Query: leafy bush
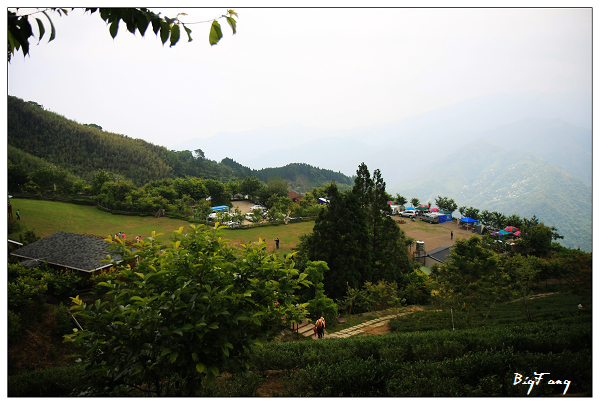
97	281
352	377
492	373
53	382
372	297
237	385
23	290
62	285
28	237
322	306
13	226
14	326
191	310
62	320
31	284
556	336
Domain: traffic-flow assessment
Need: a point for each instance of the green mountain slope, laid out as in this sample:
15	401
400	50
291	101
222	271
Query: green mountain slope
83	149
485	176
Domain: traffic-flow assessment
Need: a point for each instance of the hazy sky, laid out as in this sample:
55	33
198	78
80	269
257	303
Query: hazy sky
327	68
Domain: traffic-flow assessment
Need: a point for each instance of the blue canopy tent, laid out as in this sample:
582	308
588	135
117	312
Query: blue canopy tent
410	209
445	218
469	221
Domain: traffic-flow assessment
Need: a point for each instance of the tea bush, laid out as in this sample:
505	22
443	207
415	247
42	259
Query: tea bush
62	320
52	382
492	373
14	326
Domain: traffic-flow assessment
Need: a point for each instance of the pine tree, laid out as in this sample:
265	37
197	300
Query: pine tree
341	238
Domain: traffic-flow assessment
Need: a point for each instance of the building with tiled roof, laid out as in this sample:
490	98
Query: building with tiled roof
295	197
438	255
68	250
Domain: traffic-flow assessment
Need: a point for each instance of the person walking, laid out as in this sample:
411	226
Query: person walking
18	216
277	243
451	235
319	326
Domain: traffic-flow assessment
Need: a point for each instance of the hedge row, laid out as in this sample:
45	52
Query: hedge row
74	199
486	373
428	346
52	382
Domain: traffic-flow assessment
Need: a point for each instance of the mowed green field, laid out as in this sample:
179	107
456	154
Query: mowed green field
48	217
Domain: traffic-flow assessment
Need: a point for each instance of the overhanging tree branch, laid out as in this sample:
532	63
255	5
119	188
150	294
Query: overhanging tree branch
135	19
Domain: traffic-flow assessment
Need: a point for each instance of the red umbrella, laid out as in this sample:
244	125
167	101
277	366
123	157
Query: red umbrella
424	205
511	229
518	233
434	209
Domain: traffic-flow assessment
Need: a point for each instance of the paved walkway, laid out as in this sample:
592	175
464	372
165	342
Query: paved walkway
306	329
360	328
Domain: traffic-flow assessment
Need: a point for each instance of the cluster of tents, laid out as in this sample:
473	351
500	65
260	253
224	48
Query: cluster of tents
501	234
509	230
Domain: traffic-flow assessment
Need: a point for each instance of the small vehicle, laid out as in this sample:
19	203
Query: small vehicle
432	219
409	213
260	207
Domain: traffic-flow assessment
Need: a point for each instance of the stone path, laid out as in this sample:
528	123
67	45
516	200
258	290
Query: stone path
306	329
360	328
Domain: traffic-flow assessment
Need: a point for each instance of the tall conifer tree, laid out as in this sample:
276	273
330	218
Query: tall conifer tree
340	237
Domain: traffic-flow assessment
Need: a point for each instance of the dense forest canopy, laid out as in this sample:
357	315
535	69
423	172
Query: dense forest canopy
82	149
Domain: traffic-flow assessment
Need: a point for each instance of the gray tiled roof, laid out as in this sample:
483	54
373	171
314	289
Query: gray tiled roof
440	254
71	250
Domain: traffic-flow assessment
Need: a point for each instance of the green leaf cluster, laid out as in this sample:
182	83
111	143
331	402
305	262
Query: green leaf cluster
135	20
30	285
188	310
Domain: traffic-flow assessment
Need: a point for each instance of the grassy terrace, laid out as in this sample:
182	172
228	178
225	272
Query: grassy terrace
48	217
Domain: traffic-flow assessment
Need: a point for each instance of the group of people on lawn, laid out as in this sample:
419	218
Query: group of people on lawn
121	235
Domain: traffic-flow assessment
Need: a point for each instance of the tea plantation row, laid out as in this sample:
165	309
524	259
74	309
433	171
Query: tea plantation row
472	362
475	362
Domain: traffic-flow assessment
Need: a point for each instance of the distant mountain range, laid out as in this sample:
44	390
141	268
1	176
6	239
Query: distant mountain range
525	154
488	177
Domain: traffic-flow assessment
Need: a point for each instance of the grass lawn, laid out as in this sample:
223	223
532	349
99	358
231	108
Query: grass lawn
48	217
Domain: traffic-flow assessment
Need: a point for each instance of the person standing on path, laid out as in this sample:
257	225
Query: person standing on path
451	235
277	243
18	216
319	326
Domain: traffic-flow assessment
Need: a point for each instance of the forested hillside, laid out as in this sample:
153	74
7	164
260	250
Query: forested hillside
82	149
302	176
